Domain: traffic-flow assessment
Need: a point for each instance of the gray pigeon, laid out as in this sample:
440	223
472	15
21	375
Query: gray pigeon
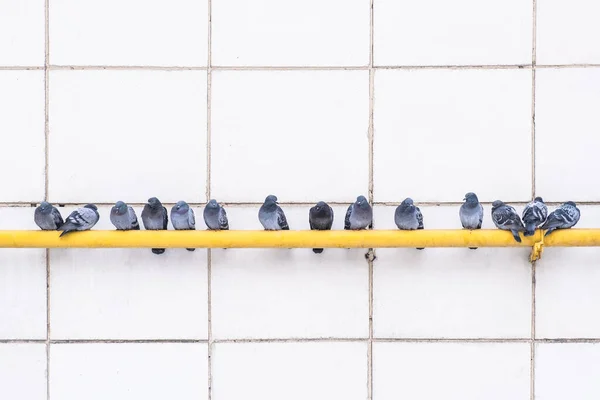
320	218
534	215
82	219
408	217
271	216
183	218
471	213
123	217
215	216
47	217
564	217
505	217
359	215
155	218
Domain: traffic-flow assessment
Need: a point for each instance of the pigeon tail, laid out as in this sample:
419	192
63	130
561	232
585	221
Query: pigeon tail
190	249
550	231
529	229
473	248
317	251
158	251
515	234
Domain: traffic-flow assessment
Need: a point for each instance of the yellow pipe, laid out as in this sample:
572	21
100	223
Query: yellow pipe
294	239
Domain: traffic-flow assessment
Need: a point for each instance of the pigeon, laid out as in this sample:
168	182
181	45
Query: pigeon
155	218
271	216
505	217
82	219
359	215
408	217
183	218
564	217
47	217
320	218
215	216
123	217
534	215
471	213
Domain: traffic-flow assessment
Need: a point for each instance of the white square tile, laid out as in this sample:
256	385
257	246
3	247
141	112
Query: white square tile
302	134
566	106
450	293
567	281
23	371
22	282
291	371
463	32
118	371
128	293
22	128
127	135
22	37
442	133
567	32
290	33
567	371
281	293
133	32
450	371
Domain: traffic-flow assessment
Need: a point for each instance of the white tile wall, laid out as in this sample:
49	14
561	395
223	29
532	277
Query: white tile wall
294	133
267	293
129	33
22	130
22	283
464	32
567	101
23	371
128	371
156	98
290	33
293	371
22	33
441	133
567	370
451	371
138	134
567	32
450	293
566	288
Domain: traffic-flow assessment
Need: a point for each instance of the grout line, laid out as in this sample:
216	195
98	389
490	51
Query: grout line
208	194
533	194
46	180
291	340
124	341
371	253
287	68
22	341
123	68
452	340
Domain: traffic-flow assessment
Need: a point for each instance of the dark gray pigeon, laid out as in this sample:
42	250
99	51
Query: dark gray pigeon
215	216
408	217
564	217
505	217
471	213
155	218
82	219
123	217
534	215
47	217
271	216
359	215
320	218
183	218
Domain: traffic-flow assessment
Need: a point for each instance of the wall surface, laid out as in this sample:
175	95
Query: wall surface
309	100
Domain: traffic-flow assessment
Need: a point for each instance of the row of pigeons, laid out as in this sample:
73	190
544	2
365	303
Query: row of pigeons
358	216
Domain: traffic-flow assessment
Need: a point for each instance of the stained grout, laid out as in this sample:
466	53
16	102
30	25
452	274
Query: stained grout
533	194
289	68
208	194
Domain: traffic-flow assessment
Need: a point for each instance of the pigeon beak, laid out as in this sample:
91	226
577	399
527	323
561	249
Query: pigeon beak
465	199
